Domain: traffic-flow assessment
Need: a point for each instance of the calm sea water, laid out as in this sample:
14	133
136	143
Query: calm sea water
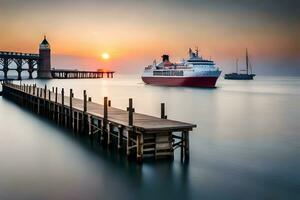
246	145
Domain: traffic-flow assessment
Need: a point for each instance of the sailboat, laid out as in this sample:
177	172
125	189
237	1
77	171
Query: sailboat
242	76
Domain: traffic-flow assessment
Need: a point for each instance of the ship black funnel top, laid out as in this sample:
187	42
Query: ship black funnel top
165	58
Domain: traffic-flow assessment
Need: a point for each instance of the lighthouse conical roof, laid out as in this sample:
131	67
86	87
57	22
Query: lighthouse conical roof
45	41
44	44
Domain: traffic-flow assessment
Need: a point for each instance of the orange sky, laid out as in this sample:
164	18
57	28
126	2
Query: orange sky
136	32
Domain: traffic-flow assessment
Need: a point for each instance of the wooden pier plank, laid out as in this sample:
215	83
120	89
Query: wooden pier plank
120	116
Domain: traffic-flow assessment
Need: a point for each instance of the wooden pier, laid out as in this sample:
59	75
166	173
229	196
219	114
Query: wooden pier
140	136
72	74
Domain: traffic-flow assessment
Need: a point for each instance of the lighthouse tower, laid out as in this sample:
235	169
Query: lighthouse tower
44	64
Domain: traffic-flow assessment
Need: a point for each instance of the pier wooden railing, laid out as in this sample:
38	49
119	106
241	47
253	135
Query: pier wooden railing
139	135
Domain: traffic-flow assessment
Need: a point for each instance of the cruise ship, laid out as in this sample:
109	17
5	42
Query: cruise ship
193	72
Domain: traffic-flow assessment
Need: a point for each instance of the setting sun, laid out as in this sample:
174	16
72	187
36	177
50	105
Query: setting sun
105	56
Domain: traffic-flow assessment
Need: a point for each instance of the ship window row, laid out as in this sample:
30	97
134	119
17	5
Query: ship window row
167	73
206	66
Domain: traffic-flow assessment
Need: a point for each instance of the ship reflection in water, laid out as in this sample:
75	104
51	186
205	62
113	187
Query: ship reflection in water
246	145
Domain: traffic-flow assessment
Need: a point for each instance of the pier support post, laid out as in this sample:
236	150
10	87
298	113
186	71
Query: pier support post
91	129
84	101
80	117
5	67
130	110
33	90
30	68
186	147
109	130
99	135
105	116
181	147
55	114
56	95
162	111
139	150
184	151
19	63
62	115
76	122
44	102
128	143
84	117
38	100
45	91
41	93
71	109
49	104
120	137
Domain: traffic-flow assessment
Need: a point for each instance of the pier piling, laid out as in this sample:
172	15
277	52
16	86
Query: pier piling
71	110
61	108
130	110
162	111
105	117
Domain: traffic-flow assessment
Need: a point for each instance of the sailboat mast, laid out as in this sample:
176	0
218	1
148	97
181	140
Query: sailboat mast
247	61
237	66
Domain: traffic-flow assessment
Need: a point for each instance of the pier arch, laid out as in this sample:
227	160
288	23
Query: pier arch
12	74
1	74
